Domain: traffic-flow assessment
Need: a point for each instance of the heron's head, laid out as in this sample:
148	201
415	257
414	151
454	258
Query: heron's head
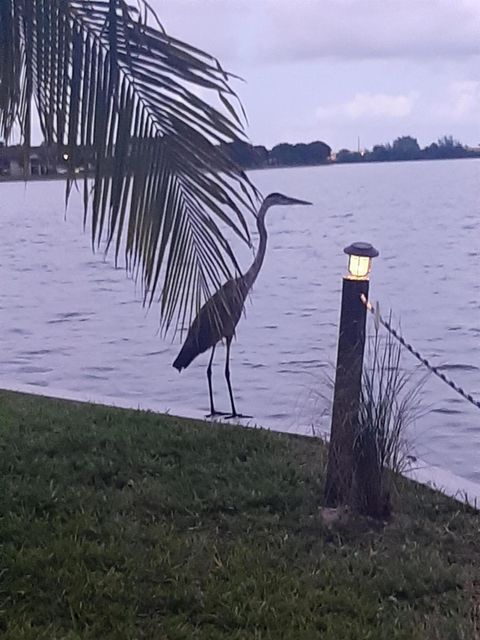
274	199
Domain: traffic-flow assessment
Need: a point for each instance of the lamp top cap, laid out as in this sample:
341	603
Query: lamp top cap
361	249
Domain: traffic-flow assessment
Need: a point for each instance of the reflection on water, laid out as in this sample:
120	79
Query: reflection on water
72	321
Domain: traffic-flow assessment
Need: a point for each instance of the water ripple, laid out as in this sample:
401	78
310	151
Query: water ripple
459	367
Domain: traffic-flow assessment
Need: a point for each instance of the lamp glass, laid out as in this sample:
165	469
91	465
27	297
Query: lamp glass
359	267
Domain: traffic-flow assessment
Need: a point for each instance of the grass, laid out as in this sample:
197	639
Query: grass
125	525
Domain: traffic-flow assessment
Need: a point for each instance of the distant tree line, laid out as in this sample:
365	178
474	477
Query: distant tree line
407	148
248	156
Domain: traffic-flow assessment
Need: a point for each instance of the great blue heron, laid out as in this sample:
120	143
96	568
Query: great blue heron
219	316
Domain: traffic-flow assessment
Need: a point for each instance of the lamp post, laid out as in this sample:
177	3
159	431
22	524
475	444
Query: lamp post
348	376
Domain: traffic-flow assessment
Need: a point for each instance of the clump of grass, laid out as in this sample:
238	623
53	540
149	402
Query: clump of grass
121	524
389	404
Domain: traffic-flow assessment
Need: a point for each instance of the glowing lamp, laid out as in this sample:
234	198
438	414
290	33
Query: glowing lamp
360	260
65	156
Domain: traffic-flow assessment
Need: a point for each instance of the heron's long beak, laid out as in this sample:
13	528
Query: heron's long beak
296	201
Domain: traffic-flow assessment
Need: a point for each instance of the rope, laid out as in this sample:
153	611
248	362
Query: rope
379	320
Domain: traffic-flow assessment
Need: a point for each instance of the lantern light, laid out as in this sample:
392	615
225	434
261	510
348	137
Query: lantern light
360	260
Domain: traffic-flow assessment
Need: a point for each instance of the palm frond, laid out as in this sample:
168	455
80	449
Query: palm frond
111	87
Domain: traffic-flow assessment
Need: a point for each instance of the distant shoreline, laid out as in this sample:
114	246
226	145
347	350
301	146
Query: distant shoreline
64	176
45	178
356	164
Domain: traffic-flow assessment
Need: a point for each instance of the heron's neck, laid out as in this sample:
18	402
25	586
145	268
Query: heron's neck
252	273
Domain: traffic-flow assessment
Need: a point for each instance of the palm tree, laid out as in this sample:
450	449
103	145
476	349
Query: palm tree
104	79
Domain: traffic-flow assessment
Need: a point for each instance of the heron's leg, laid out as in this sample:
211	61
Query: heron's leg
209	378
234	413
227	377
210	388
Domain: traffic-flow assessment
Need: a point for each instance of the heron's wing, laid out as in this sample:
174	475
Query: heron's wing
217	319
224	309
219	316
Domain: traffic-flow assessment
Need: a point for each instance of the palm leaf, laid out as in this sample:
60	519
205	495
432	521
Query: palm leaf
109	84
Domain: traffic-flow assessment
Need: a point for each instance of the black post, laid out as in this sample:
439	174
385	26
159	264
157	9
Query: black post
348	380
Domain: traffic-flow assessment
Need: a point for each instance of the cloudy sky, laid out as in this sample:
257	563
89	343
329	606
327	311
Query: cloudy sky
336	70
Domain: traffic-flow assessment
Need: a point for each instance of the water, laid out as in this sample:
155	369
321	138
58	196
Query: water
71	321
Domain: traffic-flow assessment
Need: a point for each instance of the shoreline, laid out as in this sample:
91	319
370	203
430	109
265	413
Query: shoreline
437	478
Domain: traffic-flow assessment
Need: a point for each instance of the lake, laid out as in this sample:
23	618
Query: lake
71	321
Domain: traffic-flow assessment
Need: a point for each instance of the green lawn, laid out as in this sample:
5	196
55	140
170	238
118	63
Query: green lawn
120	524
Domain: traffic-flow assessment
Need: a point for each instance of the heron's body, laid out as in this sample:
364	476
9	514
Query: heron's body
209	327
219	316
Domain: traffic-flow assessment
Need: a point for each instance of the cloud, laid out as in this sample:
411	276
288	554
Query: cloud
370	105
366	29
460	103
464	99
288	30
379	104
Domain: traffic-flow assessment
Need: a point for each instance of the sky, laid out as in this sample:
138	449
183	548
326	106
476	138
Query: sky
343	70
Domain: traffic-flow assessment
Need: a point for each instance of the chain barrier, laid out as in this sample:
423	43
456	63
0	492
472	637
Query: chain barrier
375	311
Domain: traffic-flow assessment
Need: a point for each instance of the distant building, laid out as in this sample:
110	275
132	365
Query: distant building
11	161
41	161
